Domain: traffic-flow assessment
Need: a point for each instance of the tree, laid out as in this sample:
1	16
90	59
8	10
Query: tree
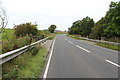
113	20
82	27
52	28
3	20
97	30
108	26
26	29
87	24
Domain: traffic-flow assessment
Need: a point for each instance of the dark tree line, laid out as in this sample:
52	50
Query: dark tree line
82	27
108	26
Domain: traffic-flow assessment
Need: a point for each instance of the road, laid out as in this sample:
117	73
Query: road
72	58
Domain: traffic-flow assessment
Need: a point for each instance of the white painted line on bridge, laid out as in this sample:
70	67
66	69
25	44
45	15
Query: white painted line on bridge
48	63
112	63
83	49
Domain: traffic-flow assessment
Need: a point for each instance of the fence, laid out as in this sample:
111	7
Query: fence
12	54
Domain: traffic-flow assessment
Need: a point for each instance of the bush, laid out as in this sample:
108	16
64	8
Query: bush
15	43
36	49
25	29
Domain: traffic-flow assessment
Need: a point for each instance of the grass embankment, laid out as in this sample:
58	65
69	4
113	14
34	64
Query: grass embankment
27	65
53	36
8	34
113	40
75	37
106	45
110	46
10	42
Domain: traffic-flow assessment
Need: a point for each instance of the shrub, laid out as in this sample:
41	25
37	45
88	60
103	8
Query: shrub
35	50
25	29
15	43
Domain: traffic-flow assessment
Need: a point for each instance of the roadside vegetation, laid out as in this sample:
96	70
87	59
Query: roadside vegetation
107	28
75	37
113	47
53	36
52	28
106	45
7	34
28	65
21	35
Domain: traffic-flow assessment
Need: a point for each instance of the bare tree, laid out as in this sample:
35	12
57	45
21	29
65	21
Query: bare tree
3	20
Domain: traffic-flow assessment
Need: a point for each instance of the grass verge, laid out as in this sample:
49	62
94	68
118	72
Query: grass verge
113	47
25	66
109	46
75	37
53	36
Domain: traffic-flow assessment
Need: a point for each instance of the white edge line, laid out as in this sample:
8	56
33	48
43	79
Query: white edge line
83	49
113	63
48	63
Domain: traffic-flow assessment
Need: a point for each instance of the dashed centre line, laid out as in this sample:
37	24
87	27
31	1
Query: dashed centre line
83	48
70	42
78	46
112	63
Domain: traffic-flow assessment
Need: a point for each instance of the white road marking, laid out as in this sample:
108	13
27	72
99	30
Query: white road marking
48	63
66	39
113	63
83	48
70	42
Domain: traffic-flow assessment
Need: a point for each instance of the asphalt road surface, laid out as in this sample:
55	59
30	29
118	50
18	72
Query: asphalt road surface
72	58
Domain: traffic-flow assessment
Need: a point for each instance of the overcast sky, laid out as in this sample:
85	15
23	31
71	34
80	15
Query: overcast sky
62	13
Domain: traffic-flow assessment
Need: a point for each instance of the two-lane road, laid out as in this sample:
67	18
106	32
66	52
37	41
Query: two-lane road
71	58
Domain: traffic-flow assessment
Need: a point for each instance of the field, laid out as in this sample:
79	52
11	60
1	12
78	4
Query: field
10	42
7	34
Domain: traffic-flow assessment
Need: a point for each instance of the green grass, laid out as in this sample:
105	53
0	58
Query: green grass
8	34
113	47
75	37
34	66
53	36
113	40
25	66
15	43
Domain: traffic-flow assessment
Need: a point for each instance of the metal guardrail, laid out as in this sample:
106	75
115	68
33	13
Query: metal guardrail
12	54
101	41
112	43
